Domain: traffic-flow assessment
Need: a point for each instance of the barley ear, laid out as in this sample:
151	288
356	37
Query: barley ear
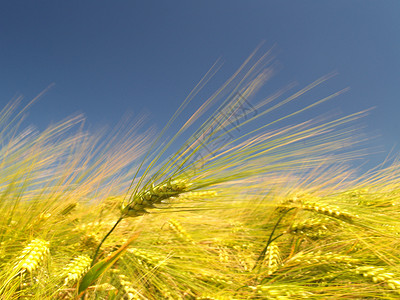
281	292
180	231
272	258
32	255
379	275
76	268
329	210
154	195
130	292
319	257
313	228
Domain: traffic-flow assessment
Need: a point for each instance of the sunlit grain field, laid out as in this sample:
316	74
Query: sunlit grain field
236	211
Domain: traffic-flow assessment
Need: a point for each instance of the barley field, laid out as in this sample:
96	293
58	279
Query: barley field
227	206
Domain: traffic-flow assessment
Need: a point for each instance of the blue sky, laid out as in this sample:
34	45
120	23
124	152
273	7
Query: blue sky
109	57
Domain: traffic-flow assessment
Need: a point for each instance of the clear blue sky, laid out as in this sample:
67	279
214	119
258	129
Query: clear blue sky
109	57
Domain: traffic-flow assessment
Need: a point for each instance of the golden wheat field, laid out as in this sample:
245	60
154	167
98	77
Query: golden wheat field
226	207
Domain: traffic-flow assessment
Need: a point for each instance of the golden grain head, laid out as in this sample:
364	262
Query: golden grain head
319	257
272	258
77	268
281	292
177	228
145	258
313	228
33	254
329	210
214	278
315	204
130	292
378	275
198	195
154	195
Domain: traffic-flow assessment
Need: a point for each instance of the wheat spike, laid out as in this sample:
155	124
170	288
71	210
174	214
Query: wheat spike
329	210
323	258
272	258
281	292
146	199
307	225
180	231
312	228
145	259
33	254
76	268
214	278
130	292
246	262
209	297
198	195
88	241
154	195
379	275
223	254
312	203
68	208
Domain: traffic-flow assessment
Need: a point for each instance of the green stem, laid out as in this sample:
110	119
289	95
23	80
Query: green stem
104	238
270	239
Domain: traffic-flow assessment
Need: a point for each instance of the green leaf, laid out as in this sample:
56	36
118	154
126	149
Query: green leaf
99	268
